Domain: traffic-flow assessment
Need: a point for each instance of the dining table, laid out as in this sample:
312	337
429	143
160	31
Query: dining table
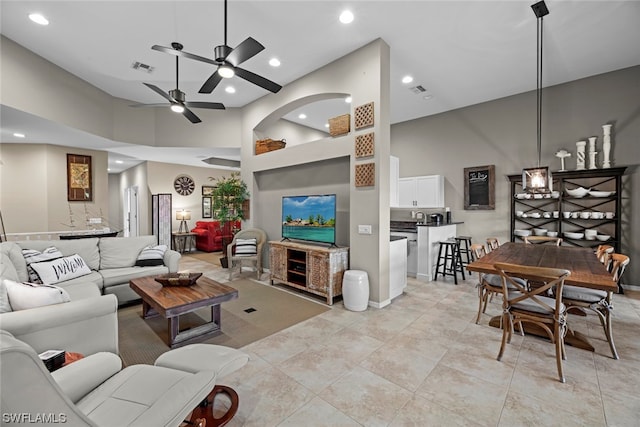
586	271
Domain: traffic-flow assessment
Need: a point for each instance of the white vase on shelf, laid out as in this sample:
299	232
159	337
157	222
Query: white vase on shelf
580	146
606	145
592	152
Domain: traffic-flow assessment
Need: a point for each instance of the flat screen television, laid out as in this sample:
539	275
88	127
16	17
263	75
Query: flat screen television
311	218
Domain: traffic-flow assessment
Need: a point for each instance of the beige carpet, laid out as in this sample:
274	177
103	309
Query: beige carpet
142	341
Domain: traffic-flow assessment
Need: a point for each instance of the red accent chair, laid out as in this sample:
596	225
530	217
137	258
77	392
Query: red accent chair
210	235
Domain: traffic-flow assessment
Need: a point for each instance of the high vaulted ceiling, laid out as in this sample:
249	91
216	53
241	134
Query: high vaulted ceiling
461	52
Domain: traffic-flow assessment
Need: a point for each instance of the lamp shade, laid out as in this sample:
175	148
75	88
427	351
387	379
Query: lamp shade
183	215
537	180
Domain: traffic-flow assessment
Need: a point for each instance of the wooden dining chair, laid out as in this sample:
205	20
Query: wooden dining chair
541	240
492	243
530	304
488	284
603	252
577	298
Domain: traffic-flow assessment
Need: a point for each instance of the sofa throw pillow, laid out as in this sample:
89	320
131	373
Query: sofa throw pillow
31	295
246	247
151	255
5	307
33	255
61	269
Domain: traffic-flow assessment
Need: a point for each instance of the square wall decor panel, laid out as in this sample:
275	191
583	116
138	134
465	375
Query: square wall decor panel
365	175
365	145
364	116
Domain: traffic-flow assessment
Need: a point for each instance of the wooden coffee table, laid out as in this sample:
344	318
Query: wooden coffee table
172	301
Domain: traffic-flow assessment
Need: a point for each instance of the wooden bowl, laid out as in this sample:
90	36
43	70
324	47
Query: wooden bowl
178	279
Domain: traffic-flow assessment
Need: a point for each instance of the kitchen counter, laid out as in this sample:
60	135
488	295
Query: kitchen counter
442	224
429	238
394	238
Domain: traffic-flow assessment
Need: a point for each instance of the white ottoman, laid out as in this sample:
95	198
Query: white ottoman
355	290
208	357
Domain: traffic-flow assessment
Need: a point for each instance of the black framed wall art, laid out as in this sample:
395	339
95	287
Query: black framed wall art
479	188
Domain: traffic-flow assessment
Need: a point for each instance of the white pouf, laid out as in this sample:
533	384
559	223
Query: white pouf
355	290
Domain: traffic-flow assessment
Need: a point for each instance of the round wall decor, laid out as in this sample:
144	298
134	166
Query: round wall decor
184	185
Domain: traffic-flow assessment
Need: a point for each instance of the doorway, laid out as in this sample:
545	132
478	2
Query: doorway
130	220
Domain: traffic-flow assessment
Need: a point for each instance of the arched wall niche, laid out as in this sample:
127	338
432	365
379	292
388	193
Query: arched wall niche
283	124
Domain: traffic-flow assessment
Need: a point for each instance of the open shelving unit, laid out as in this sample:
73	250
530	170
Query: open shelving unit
605	180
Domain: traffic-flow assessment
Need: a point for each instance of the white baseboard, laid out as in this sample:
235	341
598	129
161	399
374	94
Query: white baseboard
379	304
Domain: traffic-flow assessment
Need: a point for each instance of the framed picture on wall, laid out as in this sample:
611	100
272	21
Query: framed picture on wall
206	207
79	178
479	188
207	190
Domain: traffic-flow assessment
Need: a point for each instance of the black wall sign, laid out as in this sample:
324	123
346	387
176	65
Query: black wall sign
479	188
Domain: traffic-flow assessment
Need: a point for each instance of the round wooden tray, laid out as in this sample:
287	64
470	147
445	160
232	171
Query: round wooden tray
178	279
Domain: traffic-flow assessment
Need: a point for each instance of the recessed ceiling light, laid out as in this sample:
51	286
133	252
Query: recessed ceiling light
427	97
407	79
230	89
326	125
274	62
348	100
302	116
39	19
19	135
119	162
346	17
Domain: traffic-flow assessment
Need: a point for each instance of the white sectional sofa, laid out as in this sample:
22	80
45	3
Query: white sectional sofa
111	260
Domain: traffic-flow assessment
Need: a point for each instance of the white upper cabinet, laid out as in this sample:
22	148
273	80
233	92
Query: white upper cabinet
421	192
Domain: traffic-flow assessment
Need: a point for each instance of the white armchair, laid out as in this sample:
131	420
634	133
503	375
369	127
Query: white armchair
236	258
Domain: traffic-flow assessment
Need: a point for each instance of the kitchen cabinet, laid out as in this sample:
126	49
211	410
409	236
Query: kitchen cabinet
397	266
530	213
421	192
394	175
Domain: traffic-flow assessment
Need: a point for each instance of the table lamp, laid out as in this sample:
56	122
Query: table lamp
183	216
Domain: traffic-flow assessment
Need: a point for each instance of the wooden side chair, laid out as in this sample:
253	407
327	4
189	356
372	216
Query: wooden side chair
541	240
488	284
603	252
492	243
599	302
531	305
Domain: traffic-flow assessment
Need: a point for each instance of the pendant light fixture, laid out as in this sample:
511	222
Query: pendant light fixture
538	179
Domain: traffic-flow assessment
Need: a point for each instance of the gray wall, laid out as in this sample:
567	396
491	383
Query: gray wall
325	177
503	133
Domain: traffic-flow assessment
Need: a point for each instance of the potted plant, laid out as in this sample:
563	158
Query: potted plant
227	197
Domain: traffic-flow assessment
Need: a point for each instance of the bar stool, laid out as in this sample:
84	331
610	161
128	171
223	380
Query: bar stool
449	260
464	243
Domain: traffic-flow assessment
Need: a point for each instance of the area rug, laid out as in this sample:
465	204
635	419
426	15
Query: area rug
259	311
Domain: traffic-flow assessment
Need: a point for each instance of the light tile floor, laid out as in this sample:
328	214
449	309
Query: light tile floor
423	361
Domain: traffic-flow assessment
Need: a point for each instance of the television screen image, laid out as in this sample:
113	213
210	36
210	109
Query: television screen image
311	218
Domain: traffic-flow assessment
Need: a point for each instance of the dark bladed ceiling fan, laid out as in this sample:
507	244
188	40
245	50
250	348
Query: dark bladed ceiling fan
176	97
227	60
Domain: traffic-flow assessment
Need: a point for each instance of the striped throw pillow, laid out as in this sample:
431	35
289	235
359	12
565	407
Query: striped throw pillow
246	247
32	255
151	255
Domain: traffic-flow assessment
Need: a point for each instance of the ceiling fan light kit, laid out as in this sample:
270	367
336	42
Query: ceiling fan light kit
177	101
227	60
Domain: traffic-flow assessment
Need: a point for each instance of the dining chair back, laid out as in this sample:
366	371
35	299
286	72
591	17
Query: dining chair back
603	252
246	246
530	304
541	240
619	263
492	243
488	284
